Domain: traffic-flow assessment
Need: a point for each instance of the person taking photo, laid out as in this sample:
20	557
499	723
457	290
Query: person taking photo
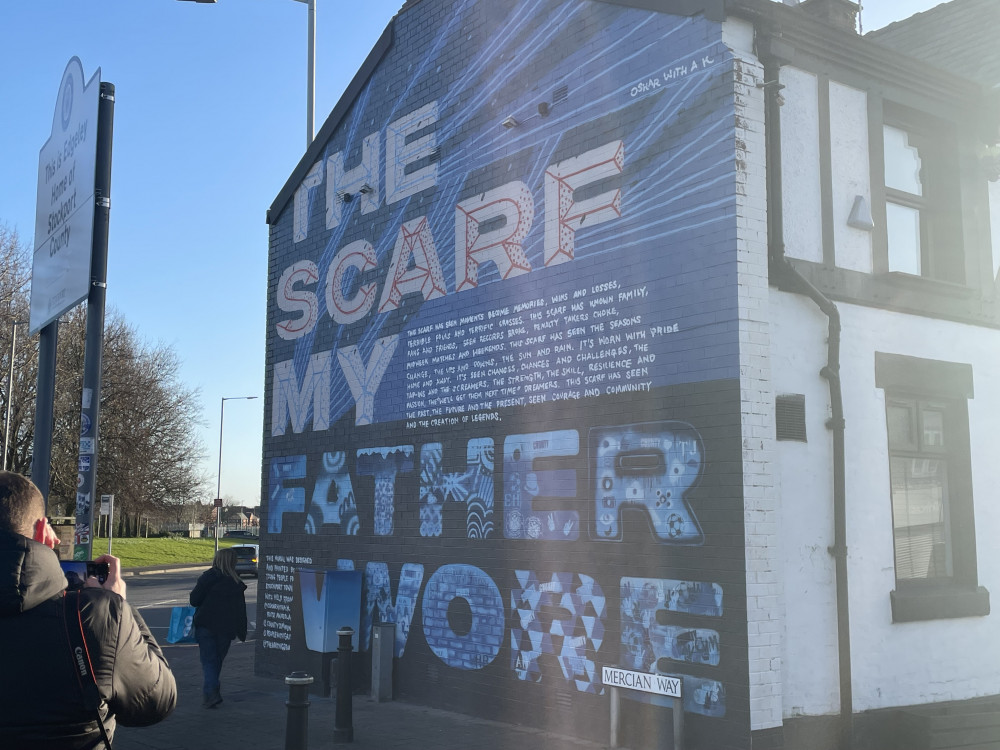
75	664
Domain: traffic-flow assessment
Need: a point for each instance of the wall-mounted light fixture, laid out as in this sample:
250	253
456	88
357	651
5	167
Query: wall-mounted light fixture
365	189
861	215
344	196
509	122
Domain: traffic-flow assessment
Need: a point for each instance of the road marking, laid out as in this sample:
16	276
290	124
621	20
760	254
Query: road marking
159	604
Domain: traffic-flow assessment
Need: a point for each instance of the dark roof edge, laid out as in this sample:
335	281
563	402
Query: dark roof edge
714	10
332	122
808	37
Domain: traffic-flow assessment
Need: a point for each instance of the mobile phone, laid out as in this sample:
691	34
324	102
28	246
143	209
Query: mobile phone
78	571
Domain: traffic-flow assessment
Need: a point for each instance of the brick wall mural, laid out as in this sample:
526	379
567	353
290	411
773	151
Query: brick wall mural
502	367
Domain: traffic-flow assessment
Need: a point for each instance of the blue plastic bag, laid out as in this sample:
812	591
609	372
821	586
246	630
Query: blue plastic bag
181	625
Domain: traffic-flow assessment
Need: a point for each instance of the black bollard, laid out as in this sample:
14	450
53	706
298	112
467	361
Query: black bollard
343	729
297	724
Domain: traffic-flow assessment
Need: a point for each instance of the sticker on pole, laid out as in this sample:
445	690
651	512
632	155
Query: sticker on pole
659	684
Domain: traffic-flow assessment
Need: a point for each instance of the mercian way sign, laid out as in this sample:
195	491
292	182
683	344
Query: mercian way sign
659	684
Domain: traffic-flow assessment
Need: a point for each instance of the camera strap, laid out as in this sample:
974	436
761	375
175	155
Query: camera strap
82	665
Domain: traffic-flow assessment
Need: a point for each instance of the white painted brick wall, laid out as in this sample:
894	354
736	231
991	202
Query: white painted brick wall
765	596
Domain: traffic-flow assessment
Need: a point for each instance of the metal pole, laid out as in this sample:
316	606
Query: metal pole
45	397
311	76
111	515
297	720
678	710
218	486
615	715
94	350
10	392
343	727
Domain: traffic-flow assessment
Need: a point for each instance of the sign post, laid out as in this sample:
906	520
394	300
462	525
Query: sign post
108	509
218	520
64	222
69	265
669	686
94	348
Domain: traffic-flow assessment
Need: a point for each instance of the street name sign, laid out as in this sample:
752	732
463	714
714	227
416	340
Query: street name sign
659	684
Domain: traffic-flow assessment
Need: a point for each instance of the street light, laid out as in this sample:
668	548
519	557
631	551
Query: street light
10	387
218	486
310	68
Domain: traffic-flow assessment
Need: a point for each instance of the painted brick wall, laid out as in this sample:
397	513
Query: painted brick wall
504	370
762	500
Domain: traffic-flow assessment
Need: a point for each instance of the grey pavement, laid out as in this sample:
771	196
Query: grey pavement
253	717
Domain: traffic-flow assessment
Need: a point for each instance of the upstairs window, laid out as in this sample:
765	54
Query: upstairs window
922	210
904	201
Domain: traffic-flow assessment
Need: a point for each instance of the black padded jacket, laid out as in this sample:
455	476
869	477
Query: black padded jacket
220	604
41	701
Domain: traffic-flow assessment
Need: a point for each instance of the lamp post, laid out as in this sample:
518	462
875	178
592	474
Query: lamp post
310	68
218	486
10	387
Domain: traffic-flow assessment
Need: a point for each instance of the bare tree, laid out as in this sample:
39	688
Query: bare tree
149	451
18	400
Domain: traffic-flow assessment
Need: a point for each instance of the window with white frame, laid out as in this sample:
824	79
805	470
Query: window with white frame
922	208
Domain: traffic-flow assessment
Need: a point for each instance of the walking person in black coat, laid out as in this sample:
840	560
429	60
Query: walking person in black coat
220	615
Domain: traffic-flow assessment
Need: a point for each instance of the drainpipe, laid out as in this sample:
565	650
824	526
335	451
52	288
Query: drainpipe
787	278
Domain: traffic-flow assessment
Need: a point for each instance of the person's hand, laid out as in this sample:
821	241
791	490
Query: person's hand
114	581
45	534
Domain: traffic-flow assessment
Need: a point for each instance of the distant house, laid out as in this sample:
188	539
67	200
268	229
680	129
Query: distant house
242	516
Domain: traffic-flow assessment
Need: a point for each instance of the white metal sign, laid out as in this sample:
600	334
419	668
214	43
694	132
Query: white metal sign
660	684
106	501
64	208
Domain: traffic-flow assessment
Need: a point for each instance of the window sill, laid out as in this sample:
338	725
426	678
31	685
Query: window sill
927	284
938	603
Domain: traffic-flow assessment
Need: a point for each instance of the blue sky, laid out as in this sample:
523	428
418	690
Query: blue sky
210	120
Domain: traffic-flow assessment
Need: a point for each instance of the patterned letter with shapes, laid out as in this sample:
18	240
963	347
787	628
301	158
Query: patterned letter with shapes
399	154
312	399
523	485
415	266
282	499
564	215
650	643
380	598
299	301
333	498
458	640
651	466
384	464
472	488
364	381
361	181
301	202
360	256
564	617
509	206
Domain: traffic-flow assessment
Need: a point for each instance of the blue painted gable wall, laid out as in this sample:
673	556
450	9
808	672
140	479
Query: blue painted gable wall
502	369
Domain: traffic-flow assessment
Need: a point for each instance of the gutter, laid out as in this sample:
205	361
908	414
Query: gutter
784	275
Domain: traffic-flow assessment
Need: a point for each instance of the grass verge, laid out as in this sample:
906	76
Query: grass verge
137	553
